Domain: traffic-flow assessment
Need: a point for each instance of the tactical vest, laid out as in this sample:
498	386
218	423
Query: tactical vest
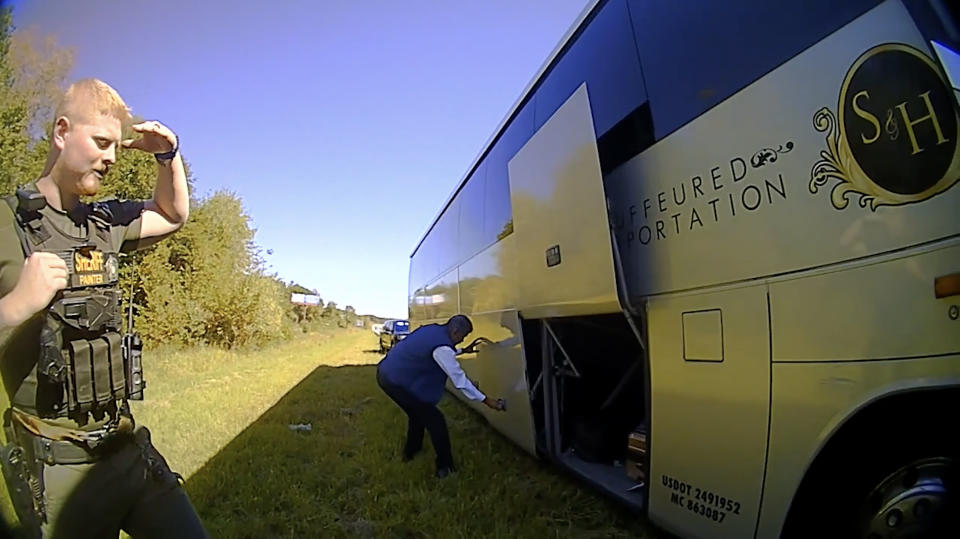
410	364
86	364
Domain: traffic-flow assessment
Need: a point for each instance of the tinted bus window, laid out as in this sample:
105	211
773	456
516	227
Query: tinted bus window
411	287
418	266
446	232
418	275
696	53
426	261
497	213
471	199
604	56
438	253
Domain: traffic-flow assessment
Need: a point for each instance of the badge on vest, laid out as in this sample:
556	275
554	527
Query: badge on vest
89	266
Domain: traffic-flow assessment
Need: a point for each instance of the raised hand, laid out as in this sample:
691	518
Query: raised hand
157	138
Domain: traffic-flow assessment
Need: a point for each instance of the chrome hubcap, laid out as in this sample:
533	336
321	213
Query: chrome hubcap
917	500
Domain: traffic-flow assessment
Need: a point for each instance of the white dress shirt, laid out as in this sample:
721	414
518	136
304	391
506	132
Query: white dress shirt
446	357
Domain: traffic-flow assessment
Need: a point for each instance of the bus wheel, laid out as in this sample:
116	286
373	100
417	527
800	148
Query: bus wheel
892	471
917	500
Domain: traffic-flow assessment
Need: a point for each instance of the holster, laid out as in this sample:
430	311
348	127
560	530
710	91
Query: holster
23	475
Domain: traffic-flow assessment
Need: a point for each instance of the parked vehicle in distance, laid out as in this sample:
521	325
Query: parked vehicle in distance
393	331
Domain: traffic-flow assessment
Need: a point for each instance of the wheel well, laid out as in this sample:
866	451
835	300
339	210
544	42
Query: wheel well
895	427
917	410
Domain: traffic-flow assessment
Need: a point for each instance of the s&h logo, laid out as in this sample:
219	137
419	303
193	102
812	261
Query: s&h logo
896	140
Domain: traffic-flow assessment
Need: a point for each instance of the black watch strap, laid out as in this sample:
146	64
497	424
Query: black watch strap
167	156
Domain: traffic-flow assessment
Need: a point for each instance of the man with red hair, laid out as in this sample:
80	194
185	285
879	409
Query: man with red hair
76	463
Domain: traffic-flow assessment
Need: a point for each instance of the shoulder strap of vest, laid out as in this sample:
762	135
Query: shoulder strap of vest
12	201
100	217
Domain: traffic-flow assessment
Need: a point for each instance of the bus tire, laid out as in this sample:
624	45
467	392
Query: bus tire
893	473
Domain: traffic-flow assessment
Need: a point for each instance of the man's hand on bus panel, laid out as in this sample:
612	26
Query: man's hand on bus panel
497	404
472	347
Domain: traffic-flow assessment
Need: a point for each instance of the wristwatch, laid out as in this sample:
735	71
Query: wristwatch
167	156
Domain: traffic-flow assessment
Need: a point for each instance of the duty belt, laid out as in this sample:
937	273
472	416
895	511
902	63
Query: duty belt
61	445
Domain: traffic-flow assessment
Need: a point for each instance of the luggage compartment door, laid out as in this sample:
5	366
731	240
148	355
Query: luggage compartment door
563	247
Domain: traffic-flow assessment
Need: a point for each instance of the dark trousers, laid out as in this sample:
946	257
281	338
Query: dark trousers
420	415
132	489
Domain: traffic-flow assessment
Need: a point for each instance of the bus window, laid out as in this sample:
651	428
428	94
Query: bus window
421	264
438	253
497	213
471	199
445	256
418	273
615	84
697	53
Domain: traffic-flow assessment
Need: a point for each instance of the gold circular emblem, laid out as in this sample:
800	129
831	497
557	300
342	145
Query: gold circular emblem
898	130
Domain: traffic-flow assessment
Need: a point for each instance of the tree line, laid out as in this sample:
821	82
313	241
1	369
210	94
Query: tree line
206	284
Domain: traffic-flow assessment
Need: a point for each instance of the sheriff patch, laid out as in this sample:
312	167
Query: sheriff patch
91	267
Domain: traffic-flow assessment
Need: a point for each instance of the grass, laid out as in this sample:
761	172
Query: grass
221	419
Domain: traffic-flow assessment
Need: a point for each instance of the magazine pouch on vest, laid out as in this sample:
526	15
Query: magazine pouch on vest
83	356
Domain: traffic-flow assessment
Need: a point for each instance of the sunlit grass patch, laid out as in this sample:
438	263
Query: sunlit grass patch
222	419
345	478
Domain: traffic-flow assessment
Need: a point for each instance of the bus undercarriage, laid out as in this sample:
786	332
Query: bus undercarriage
590	400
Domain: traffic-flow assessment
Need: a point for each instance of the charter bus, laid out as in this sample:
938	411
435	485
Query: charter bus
716	249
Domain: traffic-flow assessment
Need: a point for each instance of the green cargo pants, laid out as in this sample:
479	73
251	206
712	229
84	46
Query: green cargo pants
130	487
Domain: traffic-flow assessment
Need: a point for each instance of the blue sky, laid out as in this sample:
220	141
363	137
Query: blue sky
343	125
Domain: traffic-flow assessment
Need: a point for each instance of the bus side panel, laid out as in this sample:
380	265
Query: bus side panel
833	356
811	400
767	182
883	310
487	284
710	379
488	281
499	371
441	298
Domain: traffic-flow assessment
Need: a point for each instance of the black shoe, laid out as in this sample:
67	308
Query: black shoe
445	471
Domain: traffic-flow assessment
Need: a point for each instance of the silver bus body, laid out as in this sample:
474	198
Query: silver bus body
775	281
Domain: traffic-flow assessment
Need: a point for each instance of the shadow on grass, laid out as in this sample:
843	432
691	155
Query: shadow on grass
344	477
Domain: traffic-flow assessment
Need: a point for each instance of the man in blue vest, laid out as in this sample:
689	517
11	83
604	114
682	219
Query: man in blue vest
414	375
